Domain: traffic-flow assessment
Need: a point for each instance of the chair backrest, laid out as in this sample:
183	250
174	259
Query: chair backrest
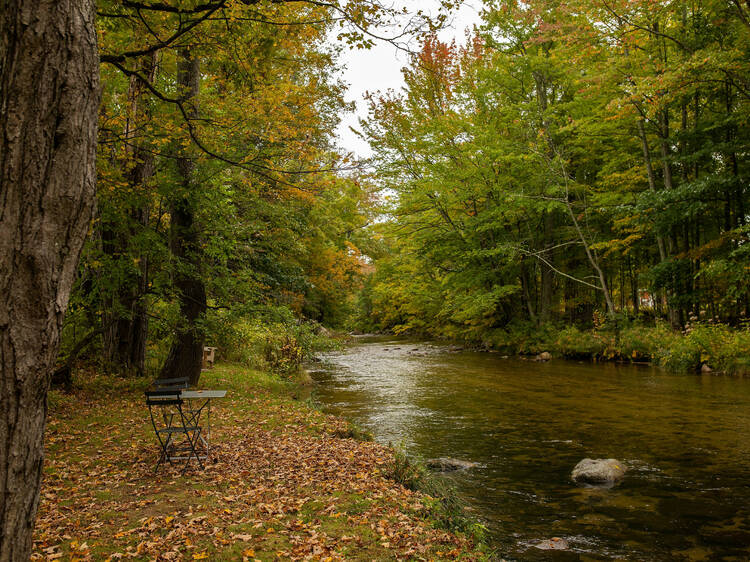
179	382
163	397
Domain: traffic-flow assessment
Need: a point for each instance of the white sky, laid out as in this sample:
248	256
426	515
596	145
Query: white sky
379	69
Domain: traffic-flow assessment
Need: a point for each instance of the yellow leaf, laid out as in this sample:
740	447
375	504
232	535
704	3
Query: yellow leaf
200	555
250	553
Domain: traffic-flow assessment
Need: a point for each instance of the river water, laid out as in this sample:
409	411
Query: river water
685	439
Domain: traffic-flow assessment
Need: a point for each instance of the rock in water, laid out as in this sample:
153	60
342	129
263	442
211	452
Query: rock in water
555	543
444	464
544	356
599	471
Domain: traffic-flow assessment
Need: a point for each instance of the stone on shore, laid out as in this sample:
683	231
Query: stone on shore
555	543
599	471
445	464
544	356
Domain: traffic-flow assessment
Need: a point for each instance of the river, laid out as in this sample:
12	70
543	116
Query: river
685	439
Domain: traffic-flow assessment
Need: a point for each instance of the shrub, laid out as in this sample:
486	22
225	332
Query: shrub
641	343
276	344
717	346
522	337
575	344
683	355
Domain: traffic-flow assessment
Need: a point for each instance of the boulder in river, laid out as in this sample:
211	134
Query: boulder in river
706	369
555	543
445	464
599	471
544	356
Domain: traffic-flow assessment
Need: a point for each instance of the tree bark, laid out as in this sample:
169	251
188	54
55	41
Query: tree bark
547	274
49	95
186	355
675	313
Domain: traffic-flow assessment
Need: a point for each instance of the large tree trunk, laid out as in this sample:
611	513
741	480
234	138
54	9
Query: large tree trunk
49	95
126	315
675	312
186	355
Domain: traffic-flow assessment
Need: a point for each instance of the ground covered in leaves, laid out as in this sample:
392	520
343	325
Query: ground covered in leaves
287	483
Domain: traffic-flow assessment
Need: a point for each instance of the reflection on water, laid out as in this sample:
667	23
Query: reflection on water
686	440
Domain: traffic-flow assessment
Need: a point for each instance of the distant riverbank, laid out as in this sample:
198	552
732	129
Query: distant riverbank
708	348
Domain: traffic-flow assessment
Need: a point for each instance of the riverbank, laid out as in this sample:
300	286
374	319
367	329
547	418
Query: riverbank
702	347
288	483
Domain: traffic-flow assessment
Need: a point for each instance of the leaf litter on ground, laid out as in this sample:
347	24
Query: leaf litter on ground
282	484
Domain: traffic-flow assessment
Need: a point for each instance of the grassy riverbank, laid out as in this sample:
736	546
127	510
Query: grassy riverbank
288	483
715	346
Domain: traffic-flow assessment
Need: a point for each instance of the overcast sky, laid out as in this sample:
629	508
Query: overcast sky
379	69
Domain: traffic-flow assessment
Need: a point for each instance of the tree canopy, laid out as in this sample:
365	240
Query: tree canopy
567	160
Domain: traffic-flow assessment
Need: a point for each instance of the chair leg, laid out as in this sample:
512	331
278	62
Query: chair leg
162	443
193	452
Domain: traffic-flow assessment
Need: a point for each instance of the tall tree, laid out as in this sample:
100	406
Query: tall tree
49	96
184	357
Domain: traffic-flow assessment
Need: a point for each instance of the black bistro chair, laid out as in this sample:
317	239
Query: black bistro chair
179	383
175	427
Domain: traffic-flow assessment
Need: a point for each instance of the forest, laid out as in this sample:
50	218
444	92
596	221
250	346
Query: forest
560	168
575	167
569	177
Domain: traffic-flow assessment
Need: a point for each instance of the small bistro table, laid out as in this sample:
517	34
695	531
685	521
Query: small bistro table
203	403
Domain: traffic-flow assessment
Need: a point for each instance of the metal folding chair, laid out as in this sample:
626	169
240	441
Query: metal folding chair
171	420
179	383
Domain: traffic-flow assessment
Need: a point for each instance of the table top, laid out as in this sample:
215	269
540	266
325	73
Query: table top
203	393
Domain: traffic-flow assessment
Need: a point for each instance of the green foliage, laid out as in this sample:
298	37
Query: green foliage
524	338
576	344
275	341
272	225
719	347
641	343
563	163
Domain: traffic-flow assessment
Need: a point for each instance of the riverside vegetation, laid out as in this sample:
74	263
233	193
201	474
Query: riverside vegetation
702	347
